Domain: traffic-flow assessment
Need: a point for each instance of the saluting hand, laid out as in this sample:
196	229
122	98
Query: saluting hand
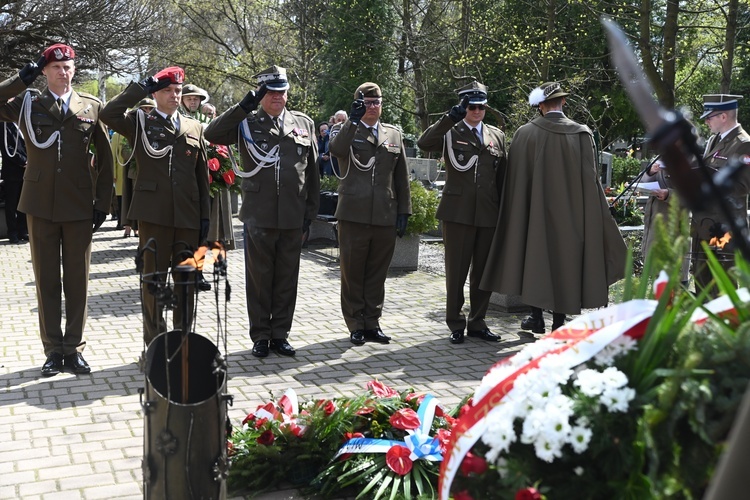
458	112
252	99
31	71
358	109
152	84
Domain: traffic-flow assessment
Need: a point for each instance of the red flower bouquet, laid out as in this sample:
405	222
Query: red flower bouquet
220	173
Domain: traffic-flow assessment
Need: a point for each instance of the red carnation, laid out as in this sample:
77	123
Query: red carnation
528	494
266	438
380	389
397	459
405	419
213	164
228	177
473	464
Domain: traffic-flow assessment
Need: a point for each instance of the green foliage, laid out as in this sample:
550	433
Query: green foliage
424	205
624	169
329	183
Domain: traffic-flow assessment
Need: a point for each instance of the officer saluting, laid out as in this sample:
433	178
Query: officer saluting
475	159
728	143
374	205
61	198
170	191
280	197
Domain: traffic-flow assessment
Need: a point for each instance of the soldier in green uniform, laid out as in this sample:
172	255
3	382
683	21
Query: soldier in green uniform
170	192
373	207
474	155
61	198
280	198
729	143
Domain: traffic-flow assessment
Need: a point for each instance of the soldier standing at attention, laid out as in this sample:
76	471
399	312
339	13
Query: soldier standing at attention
374	206
280	198
728	143
474	154
170	191
64	201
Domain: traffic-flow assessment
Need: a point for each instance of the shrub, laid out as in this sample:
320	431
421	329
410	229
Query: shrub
423	209
624	170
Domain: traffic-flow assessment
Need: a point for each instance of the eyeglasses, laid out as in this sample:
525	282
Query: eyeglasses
713	116
374	103
474	107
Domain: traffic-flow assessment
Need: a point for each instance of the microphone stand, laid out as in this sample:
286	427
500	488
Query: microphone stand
632	183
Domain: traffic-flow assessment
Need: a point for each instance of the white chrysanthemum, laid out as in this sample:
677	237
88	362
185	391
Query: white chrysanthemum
617	400
499	434
614	378
536	96
579	438
533	424
590	382
614	350
558	427
502	467
578	471
547	450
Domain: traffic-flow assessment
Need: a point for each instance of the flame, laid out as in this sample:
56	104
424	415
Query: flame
202	257
720	242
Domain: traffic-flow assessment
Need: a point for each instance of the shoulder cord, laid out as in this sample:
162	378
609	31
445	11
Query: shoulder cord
26	114
262	158
471	163
5	142
364	167
150	150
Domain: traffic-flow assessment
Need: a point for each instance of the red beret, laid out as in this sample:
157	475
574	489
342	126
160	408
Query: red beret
174	74
59	52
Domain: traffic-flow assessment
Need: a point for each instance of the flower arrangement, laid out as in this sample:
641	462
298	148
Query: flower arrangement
625	211
220	174
633	401
380	444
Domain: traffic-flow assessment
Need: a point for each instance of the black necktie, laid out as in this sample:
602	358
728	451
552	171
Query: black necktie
60	106
476	133
374	132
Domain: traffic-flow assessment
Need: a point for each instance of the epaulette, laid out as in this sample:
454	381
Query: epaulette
301	115
89	96
395	127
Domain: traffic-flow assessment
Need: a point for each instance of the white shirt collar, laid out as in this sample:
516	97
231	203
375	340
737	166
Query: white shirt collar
170	118
65	97
727	132
477	126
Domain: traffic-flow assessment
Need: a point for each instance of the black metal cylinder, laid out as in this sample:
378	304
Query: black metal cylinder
184	438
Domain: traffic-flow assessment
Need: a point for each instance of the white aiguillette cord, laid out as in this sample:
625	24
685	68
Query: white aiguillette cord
150	150
262	158
448	141
26	114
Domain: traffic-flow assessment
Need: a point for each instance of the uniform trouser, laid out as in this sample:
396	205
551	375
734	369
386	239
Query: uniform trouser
466	247
271	276
15	221
47	238
365	253
172	246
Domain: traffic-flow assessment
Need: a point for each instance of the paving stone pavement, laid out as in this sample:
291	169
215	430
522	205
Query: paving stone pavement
69	437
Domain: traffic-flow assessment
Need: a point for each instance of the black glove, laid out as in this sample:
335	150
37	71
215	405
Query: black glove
99	218
204	230
31	71
252	99
358	109
151	84
306	225
458	111
401	221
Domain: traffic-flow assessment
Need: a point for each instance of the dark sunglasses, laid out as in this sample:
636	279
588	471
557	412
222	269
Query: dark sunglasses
474	107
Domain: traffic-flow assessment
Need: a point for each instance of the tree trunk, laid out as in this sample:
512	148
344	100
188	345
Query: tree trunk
729	43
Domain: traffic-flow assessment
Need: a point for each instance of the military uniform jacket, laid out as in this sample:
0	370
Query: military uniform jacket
719	153
61	186
274	199
556	243
376	195
470	197
173	195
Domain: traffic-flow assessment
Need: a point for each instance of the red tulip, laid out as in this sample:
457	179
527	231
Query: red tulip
397	459
405	419
213	164
473	464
